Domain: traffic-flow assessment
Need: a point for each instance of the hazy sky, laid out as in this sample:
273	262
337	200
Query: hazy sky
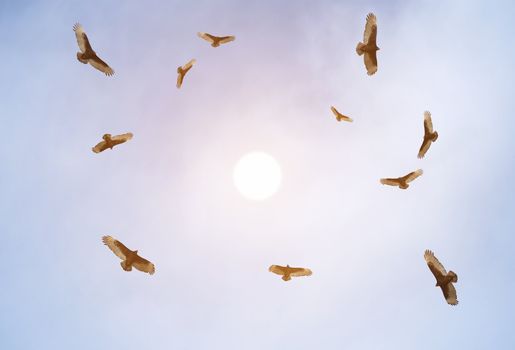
169	191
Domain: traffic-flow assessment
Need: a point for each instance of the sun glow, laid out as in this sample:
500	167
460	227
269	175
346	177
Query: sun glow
257	176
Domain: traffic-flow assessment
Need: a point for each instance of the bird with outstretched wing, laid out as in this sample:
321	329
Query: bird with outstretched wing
444	279
182	70
110	141
430	135
129	257
368	47
216	40
402	182
339	116
86	54
288	272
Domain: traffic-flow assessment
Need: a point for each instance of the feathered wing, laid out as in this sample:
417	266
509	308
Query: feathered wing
428	130
449	292
97	63
116	247
180	78
82	38
278	270
430	258
413	175
100	147
340	116
370	59
208	37
300	271
227	39
122	138
390	181
426	143
370	26
144	265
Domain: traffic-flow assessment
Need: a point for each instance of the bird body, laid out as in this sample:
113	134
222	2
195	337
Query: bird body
288	272
430	135
216	40
182	70
402	182
87	54
111	141
444	279
339	116
130	258
368	47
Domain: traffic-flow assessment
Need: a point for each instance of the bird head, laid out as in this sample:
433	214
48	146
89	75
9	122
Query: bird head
106	136
287	265
135	252
435	136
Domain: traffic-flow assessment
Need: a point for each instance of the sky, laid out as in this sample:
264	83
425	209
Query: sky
169	191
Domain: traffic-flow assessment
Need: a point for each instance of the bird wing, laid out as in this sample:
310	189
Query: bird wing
449	292
144	265
435	266
116	247
340	116
100	147
101	66
227	39
206	36
188	65
300	271
122	138
180	78
413	175
428	123
82	38
390	181
278	270
426	143
370	62
369	27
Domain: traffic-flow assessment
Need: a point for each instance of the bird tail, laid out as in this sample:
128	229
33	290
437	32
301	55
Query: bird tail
79	57
453	275
286	278
359	48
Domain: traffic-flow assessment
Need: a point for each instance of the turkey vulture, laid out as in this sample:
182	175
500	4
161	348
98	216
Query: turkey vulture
339	116
430	136
216	40
182	70
87	55
130	258
369	46
110	142
289	272
444	279
403	181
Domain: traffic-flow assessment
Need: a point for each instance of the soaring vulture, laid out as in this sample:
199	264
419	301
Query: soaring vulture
339	116
403	181
182	70
110	142
288	272
130	258
86	54
444	279
216	40
430	136
369	46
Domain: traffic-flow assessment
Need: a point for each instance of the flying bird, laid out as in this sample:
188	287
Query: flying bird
130	258
339	116
110	142
86	54
369	46
216	40
403	181
430	136
182	70
444	279
289	272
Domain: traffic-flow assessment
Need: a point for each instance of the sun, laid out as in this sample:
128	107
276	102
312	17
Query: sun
257	176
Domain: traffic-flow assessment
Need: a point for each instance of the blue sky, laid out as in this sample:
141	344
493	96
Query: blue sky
169	191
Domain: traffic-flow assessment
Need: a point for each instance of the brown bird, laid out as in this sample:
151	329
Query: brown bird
182	70
86	54
403	181
216	40
130	258
430	136
444	279
289	272
339	116
110	142
369	46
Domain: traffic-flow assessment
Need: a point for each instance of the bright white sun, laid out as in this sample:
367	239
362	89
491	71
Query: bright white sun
257	175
